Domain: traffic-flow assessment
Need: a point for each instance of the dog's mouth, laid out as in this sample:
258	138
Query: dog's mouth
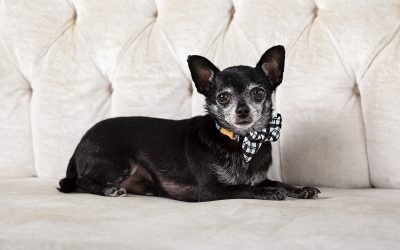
244	123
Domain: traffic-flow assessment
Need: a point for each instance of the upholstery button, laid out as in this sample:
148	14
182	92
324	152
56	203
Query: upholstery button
110	89
315	11
356	90
75	16
232	11
155	15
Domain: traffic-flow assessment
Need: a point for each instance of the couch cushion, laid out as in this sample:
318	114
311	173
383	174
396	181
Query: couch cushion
34	215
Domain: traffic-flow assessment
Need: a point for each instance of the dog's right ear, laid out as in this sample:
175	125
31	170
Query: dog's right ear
203	73
272	63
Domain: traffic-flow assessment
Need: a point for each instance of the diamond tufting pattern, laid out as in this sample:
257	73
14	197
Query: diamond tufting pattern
64	65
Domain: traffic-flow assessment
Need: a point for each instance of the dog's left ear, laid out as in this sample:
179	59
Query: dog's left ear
203	73
272	62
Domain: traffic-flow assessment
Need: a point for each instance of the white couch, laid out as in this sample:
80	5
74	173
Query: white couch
64	65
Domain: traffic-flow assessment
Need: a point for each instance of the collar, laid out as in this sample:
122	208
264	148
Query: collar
227	132
252	141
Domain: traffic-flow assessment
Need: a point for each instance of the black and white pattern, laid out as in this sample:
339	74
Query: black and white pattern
253	140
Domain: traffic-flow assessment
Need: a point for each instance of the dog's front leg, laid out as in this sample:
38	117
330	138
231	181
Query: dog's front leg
222	192
294	192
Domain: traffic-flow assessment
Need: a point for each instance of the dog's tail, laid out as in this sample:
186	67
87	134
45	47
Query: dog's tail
68	184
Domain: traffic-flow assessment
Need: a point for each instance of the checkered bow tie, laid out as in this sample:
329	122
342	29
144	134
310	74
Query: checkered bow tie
253	140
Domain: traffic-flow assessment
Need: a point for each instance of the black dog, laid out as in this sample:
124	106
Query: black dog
197	159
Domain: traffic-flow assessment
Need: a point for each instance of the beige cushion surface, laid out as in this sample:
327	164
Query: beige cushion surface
34	215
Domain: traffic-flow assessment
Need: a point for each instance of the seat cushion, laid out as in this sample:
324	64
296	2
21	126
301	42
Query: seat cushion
34	215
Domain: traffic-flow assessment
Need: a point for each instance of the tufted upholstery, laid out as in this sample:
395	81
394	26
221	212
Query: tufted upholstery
65	65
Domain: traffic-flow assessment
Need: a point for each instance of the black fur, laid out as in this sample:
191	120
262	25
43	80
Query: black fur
188	160
67	185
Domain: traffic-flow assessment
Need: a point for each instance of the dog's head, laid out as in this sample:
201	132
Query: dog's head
239	97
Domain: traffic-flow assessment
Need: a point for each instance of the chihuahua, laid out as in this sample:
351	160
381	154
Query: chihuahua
222	155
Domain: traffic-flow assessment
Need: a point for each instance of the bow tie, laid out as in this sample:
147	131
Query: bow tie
252	141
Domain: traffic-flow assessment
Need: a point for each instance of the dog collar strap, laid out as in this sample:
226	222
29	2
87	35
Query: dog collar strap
253	140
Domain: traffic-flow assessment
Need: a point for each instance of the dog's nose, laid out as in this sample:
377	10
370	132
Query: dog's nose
242	111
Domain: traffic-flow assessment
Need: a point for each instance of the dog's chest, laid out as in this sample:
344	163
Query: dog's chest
233	170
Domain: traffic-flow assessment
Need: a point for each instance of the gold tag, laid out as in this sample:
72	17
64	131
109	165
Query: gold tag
228	133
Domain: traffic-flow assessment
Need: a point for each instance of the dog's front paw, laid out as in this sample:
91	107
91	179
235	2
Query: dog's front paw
282	194
278	194
308	193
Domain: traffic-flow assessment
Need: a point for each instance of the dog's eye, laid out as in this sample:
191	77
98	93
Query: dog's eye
258	94
224	97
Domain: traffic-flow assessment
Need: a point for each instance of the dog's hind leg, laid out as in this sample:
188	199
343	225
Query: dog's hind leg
115	192
93	187
139	182
101	172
